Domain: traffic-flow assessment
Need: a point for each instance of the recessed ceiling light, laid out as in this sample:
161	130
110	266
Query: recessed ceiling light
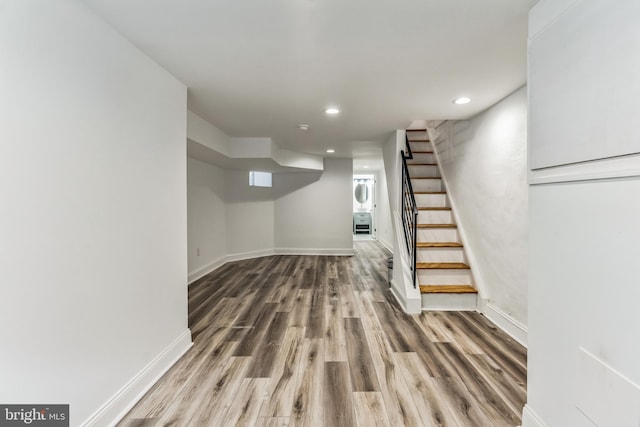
331	150
303	127
366	167
332	111
462	100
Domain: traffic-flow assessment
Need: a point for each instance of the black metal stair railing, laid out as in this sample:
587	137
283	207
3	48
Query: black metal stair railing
409	209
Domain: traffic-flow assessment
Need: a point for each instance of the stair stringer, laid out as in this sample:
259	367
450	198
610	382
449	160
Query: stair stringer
472	261
402	288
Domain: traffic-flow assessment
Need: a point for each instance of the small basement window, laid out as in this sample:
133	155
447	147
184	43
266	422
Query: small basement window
259	179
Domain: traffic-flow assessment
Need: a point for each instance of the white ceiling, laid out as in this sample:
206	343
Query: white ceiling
257	68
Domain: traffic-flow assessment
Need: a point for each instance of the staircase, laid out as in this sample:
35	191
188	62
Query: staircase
442	271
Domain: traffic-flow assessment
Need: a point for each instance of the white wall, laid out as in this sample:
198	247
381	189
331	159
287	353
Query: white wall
574	82
207	223
228	220
250	216
384	227
393	168
313	211
258	150
93	219
204	133
583	295
484	163
583	292
304	212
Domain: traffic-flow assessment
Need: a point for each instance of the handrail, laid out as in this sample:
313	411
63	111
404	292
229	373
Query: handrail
409	209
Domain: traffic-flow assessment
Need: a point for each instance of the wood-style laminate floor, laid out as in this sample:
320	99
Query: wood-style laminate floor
320	341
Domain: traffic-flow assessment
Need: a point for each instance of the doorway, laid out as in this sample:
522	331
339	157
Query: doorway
364	207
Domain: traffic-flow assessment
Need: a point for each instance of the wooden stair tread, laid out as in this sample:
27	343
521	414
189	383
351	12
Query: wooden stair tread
421	164
429	192
419	140
415	130
442	266
434	208
447	289
438	245
426	177
436	226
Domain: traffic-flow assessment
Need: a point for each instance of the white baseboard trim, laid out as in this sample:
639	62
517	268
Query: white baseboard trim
386	245
120	403
530	418
314	251
410	305
214	265
206	269
397	295
248	255
511	326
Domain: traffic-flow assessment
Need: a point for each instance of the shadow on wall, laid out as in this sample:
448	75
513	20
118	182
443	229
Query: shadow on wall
232	186
462	131
452	135
237	189
286	183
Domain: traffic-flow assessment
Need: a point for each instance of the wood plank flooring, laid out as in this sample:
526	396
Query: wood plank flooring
320	341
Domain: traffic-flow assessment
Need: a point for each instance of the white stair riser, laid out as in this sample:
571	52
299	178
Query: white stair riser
440	255
422	158
426	184
423	171
431	200
449	302
435	217
437	235
444	277
421	146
